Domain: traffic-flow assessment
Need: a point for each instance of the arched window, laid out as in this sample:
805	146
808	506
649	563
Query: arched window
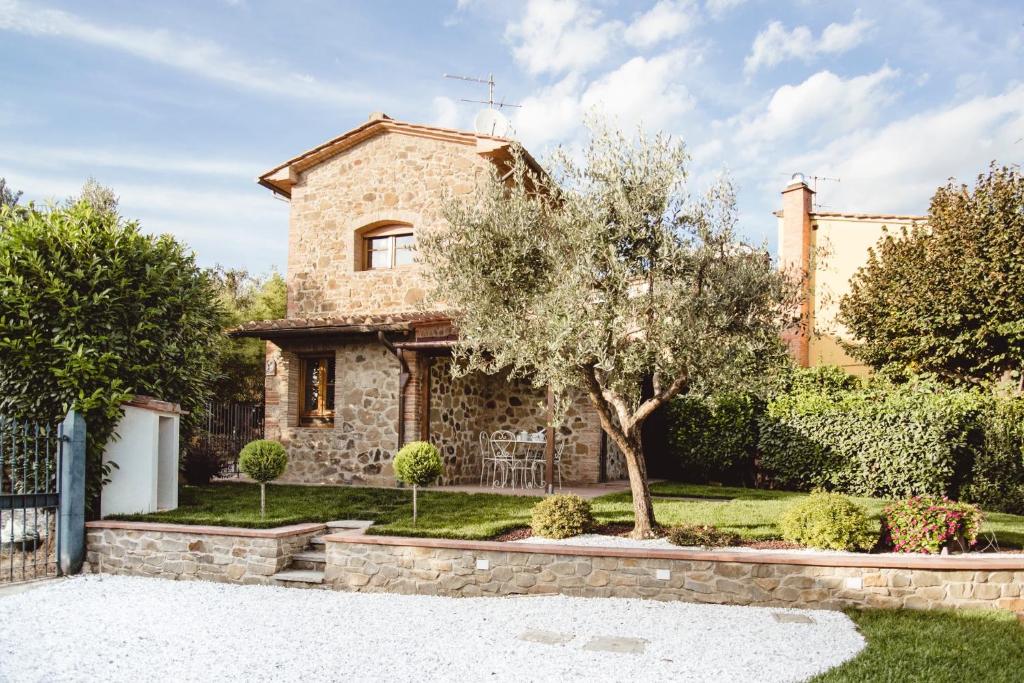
388	246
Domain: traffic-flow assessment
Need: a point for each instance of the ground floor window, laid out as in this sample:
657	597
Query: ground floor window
316	397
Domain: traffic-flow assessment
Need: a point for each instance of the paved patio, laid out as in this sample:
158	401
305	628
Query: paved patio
116	628
583	491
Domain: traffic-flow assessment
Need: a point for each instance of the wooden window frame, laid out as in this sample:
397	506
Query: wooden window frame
391	233
322	415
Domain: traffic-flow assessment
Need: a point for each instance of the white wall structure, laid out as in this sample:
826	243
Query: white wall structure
145	452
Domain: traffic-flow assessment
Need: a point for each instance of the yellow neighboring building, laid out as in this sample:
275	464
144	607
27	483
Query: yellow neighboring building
829	247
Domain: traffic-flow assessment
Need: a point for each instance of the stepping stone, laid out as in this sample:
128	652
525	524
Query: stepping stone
350	524
790	618
618	644
547	637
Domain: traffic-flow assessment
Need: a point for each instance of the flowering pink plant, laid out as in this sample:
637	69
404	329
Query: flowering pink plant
926	524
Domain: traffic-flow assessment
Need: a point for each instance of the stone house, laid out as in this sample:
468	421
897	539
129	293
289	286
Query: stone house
359	367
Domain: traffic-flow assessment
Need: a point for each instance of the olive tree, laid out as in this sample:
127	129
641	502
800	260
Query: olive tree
607	275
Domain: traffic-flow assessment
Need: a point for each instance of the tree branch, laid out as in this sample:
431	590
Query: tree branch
653	403
600	401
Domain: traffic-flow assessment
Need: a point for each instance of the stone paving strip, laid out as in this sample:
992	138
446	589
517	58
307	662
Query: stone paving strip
121	628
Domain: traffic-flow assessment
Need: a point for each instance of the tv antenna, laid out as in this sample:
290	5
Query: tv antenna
814	183
489	82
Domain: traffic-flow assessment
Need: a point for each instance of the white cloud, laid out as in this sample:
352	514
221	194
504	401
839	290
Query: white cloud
202	58
667	19
776	44
200	217
898	166
556	36
552	114
446	112
92	158
719	8
842	37
642	90
824	104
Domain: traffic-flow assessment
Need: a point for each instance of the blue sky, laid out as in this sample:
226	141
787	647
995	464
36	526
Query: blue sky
179	106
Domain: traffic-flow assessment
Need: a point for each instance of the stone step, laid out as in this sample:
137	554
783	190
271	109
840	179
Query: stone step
350	524
309	559
318	542
310	556
300	576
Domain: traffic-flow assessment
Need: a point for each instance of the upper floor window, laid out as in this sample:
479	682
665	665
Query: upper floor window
388	246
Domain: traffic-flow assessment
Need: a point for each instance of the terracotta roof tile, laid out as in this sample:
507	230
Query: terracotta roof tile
384	322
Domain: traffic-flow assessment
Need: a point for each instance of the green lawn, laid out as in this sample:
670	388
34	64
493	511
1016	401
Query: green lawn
752	513
934	647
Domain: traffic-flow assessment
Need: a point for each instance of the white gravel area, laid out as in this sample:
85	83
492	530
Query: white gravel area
115	628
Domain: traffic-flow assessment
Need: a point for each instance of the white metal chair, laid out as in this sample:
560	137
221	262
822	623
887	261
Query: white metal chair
503	447
486	456
540	463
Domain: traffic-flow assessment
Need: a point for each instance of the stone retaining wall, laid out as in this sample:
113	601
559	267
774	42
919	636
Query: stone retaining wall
224	554
461	568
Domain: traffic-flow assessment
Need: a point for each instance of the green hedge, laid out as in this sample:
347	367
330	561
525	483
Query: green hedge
886	440
824	428
714	439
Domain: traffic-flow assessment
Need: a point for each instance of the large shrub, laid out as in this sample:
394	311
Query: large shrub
561	517
884	440
829	521
714	438
200	464
263	460
926	524
92	311
997	479
418	464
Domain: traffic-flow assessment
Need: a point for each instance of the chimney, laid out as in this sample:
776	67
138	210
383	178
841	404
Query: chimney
795	255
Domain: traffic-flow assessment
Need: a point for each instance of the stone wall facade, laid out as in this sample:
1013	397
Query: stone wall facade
399	175
359	447
222	554
460	408
389	178
441	567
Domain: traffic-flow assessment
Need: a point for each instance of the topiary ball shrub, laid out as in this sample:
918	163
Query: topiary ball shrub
561	517
263	460
829	521
418	464
925	524
703	535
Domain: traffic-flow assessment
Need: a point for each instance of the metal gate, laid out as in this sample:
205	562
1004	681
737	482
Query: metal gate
226	428
42	498
29	499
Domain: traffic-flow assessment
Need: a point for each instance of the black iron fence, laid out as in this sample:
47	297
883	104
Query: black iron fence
29	499
226	427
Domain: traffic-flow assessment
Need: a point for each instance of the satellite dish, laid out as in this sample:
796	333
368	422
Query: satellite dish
492	122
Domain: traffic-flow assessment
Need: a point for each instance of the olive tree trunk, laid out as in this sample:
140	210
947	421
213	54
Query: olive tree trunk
263	499
624	428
